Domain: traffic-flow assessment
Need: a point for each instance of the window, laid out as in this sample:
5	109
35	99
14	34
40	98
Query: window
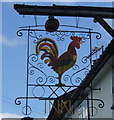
83	111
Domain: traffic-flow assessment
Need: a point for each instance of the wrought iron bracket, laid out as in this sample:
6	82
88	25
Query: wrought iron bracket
94	88
105	25
101	105
46	82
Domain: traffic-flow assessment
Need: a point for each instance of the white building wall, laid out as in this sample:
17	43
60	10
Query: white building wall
104	94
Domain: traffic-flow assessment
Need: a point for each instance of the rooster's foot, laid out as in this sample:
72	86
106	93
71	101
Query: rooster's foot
60	84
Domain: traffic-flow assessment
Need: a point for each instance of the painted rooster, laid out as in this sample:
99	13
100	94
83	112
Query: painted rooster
62	63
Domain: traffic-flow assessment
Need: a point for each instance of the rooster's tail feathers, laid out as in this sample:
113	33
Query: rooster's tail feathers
50	57
47	45
46	49
47	61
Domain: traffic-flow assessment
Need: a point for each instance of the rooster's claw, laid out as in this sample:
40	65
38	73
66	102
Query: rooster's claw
60	84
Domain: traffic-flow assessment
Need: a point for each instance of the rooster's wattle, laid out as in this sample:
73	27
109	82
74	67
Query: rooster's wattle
62	63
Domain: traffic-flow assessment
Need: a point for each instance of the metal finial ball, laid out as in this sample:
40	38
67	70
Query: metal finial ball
27	118
52	25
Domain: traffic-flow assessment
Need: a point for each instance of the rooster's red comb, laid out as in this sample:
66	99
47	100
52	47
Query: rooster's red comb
75	38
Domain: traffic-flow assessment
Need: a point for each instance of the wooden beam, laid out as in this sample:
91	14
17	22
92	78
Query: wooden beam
79	11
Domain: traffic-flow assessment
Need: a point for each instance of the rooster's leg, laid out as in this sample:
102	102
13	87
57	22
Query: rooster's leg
60	83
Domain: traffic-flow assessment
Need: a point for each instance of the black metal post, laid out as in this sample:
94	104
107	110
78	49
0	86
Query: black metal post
27	74
91	68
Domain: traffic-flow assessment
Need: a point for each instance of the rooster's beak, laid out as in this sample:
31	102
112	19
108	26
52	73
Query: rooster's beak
81	42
